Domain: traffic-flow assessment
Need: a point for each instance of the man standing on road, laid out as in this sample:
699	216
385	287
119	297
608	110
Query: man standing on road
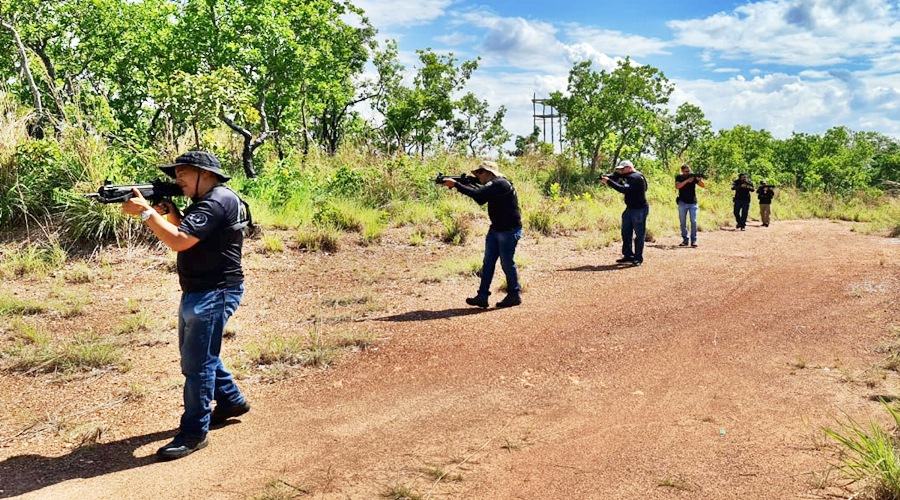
633	185
686	184
503	235
742	188
208	238
765	193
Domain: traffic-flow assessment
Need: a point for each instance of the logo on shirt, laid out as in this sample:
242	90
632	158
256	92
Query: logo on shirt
198	219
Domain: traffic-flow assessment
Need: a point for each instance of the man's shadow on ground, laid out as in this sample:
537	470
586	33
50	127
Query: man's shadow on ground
27	473
423	315
605	267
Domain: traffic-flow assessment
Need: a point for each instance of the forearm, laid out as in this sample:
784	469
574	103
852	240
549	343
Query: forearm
168	233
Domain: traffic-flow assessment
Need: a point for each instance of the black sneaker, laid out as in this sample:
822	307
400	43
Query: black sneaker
625	260
182	446
694	245
636	263
509	301
221	413
683	244
478	301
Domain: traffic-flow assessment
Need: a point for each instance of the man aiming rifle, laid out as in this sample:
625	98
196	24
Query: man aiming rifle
742	188
493	188
765	193
208	238
686	184
633	185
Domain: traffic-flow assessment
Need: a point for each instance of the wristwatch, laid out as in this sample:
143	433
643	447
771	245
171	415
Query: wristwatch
146	214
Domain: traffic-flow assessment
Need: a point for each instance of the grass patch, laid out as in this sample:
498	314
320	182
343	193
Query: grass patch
10	305
401	493
347	300
868	455
272	244
139	322
356	339
85	352
318	238
469	266
309	350
455	229
676	483
37	260
279	489
78	273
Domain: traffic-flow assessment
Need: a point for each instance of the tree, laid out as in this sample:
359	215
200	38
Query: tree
412	114
475	129
609	113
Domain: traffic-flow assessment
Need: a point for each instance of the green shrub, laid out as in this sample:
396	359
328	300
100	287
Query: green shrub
38	168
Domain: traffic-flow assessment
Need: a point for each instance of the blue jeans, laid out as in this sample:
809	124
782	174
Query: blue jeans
683	210
634	222
741	209
201	322
502	245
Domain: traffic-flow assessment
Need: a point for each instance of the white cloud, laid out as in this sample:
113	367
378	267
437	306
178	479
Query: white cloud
797	32
456	38
782	103
393	13
615	42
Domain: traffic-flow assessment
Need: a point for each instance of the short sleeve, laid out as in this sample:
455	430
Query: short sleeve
202	219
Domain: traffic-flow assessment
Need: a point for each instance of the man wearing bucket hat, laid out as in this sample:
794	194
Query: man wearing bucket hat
633	185
503	235
208	238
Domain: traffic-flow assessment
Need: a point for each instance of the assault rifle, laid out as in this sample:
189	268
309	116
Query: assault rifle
468	180
613	176
696	175
766	186
155	192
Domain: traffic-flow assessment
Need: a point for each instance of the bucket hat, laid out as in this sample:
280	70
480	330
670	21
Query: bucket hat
199	159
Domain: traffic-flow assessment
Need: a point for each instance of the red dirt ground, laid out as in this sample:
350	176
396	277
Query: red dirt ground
705	374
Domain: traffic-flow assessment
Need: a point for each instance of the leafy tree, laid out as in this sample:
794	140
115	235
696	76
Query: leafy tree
679	133
411	114
526	143
610	113
475	129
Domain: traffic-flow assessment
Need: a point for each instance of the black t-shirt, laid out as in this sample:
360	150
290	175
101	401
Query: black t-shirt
742	190
502	202
215	261
688	193
765	195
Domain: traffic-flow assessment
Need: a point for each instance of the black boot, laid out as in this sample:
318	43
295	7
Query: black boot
478	300
512	299
182	446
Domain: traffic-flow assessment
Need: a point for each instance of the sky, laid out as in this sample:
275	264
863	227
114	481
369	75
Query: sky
781	65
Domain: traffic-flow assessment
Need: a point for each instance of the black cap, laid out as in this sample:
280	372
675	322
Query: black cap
199	159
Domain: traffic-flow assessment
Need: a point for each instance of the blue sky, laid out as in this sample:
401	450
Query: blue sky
781	65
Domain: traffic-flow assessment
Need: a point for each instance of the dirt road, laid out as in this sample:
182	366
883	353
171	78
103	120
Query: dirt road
707	373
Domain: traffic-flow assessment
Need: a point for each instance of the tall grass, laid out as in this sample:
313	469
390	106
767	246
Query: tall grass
868	455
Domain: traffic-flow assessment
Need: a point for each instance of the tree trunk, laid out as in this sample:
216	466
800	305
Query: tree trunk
36	128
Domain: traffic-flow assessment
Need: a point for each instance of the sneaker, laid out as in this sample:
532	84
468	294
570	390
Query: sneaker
742	228
221	413
683	244
182	446
509	301
478	301
624	260
636	263
694	245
